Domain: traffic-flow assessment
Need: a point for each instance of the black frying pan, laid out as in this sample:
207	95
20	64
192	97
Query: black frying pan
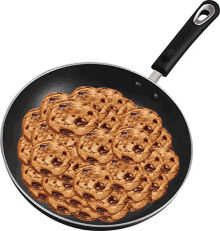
142	91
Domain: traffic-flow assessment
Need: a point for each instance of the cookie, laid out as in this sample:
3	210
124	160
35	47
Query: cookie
94	98
42	132
97	145
59	206
144	119
72	118
30	177
39	195
93	183
49	100
77	203
153	165
24	150
114	203
171	162
111	123
135	206
69	174
128	176
159	187
142	191
116	216
163	141
87	214
29	121
50	158
57	188
117	102
131	145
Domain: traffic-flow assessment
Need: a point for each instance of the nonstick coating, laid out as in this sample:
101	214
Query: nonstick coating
66	79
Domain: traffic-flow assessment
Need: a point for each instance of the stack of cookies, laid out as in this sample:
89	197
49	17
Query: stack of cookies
94	154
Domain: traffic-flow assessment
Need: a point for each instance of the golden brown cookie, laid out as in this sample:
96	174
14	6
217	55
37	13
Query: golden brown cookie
110	123
171	162
87	214
30	177
144	119
77	203
57	188
93	182
153	165
159	187
29	121
97	145
69	174
163	141
116	216
59	206
94	98
24	150
131	145
117	102
72	118
142	191
39	195
50	158
127	176
49	100
114	203
135	206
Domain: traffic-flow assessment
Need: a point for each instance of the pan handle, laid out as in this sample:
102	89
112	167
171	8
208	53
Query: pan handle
186	36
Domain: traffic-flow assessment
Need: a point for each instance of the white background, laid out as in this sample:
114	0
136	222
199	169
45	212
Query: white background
39	35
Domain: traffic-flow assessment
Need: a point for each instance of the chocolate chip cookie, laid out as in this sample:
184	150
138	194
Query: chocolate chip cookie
135	206
59	206
97	145
131	145
93	182
87	214
24	150
72	118
29	121
38	194
125	175
49	100
144	119
50	158
159	187
163	141
92	97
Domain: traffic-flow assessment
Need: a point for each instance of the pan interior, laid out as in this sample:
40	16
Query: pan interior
68	78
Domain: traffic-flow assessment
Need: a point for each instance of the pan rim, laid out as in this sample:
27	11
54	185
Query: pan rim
75	222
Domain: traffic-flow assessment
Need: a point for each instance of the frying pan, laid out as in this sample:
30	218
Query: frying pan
144	92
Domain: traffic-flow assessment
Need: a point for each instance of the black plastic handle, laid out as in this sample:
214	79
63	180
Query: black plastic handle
186	36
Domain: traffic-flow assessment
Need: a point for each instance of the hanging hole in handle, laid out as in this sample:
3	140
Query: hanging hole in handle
204	14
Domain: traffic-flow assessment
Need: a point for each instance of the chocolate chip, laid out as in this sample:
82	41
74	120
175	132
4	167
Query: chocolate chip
112	200
107	177
124	133
106	126
42	146
67	185
91	160
114	162
127	159
43	126
66	132
64	153
66	178
35	115
136	168
90	134
42	196
155	121
52	99
129	176
148	129
133	114
84	215
120	101
156	145
86	170
45	172
118	187
138	189
101	210
99	186
63	106
90	113
56	162
114	108
57	194
103	150
155	187
157	159
102	100
81	93
36	185
164	138
166	168
75	203
146	140
138	149
80	122
88	196
62	209
149	167
172	159
97	108
110	141
76	166
113	119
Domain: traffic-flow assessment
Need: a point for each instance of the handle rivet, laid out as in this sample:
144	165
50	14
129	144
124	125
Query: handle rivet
137	85
155	96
